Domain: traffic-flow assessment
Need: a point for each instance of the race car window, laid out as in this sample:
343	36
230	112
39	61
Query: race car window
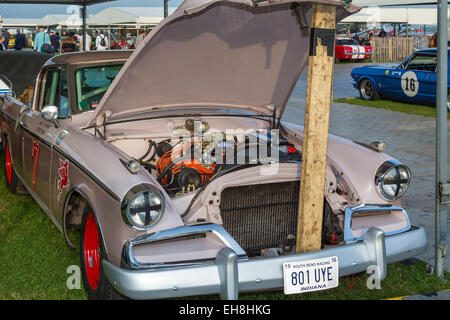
347	42
422	63
55	92
92	83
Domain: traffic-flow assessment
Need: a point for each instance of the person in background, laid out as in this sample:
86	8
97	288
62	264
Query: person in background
6	35
88	42
41	38
101	42
382	33
54	39
2	43
433	41
69	44
140	38
21	40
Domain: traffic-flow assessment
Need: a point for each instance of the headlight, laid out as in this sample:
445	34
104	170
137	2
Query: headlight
142	207
392	180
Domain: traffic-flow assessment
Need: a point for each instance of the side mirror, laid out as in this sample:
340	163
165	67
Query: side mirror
50	113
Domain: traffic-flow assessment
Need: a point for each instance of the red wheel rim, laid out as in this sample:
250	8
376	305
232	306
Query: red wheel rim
91	251
8	165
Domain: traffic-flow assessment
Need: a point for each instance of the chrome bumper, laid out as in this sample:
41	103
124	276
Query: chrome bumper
358	53
228	275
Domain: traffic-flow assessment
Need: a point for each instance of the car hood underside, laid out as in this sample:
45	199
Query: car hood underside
230	54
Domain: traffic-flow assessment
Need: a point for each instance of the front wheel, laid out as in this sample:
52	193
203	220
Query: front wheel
92	252
367	90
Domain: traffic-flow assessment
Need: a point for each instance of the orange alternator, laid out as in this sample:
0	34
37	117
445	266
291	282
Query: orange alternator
172	158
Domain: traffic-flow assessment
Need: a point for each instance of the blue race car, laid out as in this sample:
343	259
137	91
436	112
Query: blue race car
413	80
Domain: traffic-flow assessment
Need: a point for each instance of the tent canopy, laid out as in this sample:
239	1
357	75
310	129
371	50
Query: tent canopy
129	15
20	22
427	16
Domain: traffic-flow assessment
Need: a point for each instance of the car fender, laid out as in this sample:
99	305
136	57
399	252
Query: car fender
372	79
343	154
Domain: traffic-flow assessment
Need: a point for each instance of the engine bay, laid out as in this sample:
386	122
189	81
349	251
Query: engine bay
198	162
195	154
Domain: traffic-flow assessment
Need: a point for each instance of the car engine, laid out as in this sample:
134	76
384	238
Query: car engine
196	154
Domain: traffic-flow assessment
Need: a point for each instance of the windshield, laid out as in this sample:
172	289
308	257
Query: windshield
92	83
347	42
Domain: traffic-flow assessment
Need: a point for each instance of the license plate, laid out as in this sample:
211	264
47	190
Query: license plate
310	275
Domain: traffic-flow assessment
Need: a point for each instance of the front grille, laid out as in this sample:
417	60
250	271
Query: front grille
261	216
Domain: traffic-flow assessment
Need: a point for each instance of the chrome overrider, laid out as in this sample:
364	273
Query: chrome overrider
232	272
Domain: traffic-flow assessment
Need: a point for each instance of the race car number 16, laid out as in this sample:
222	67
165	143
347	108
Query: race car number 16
311	275
410	84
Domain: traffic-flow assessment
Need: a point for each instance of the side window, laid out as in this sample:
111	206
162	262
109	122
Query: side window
56	92
422	63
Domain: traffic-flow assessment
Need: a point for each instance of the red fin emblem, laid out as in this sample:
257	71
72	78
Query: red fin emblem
63	171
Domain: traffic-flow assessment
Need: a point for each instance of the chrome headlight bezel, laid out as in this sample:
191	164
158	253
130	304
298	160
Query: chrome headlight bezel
400	170
144	190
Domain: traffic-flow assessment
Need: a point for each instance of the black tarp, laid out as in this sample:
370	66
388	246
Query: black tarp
21	67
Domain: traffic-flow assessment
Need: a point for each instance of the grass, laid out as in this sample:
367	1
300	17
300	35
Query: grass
421	110
34	256
34	260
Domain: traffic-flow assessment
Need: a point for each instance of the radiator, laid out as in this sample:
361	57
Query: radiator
261	216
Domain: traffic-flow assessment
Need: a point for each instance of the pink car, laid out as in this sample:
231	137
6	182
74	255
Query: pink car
173	162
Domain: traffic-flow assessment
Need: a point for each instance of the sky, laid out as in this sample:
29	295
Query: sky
40	10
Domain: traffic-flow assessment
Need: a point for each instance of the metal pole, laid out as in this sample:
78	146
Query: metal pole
83	12
166	8
441	139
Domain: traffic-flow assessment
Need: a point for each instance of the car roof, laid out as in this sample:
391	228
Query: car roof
89	57
429	50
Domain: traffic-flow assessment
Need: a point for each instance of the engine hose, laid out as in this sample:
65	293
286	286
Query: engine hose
149	165
165	171
151	145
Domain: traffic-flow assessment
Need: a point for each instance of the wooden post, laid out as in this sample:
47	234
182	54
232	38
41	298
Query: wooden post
315	141
390	49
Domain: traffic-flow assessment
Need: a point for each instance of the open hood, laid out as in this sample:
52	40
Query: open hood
225	54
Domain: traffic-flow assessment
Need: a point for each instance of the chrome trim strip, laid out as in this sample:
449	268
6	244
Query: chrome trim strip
129	261
262	274
348	234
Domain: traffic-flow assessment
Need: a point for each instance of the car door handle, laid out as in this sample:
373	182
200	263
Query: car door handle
19	123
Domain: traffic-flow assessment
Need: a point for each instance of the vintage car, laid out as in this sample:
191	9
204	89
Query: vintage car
173	162
413	80
349	49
